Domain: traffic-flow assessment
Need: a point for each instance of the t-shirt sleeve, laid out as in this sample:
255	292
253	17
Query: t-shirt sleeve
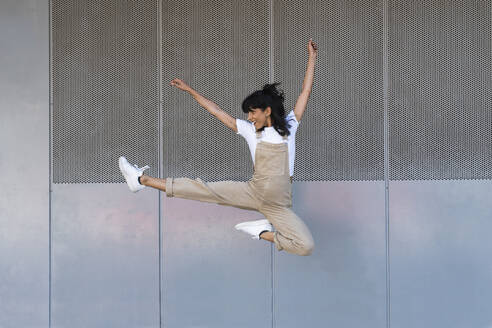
292	121
245	128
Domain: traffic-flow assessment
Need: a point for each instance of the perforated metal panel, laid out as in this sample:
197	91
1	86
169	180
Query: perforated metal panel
105	88
440	117
221	49
341	134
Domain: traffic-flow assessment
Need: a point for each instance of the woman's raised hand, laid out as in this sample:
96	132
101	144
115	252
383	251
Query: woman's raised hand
180	84
312	48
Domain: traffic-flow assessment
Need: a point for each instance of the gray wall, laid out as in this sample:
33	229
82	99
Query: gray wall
24	161
393	248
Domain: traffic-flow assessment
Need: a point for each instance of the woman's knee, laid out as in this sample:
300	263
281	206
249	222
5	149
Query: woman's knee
306	248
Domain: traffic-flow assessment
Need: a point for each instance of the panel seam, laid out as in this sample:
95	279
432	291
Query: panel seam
50	152
386	157
271	78
160	151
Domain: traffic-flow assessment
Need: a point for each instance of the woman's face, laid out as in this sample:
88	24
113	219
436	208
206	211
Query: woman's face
260	118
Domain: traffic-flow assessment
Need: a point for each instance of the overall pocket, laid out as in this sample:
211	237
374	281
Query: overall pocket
271	162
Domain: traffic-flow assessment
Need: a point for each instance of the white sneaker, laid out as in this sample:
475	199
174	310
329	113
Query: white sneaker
254	228
131	174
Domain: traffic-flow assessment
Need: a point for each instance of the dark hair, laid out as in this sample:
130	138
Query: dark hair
269	96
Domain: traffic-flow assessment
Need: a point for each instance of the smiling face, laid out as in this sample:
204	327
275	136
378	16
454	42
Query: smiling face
260	118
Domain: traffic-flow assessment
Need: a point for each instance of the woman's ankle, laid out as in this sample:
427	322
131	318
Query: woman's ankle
142	179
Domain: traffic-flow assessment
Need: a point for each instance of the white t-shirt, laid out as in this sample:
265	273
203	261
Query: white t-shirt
269	134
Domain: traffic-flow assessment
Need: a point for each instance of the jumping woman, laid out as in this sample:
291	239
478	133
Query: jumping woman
270	135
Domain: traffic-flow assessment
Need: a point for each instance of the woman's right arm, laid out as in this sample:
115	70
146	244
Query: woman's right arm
209	105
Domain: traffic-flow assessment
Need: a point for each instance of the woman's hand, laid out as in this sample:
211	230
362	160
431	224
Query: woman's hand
180	84
312	48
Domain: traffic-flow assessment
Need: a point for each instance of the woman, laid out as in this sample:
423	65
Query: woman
271	139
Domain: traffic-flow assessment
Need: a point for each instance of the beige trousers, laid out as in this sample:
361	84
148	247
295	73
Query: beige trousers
269	192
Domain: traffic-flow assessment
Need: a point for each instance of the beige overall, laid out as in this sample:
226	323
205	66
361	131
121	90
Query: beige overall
269	192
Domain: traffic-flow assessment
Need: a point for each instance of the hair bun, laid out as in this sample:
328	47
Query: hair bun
272	90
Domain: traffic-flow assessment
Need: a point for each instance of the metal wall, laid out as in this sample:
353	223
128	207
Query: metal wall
24	163
440	115
105	78
105	257
440	253
389	252
344	120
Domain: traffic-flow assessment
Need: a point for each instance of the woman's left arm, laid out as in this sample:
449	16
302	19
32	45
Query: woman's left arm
307	85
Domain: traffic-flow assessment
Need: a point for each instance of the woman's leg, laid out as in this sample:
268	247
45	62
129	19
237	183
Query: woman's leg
231	193
268	236
153	182
292	234
226	192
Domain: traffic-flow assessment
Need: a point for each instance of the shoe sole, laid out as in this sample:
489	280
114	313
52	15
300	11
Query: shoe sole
120	164
251	224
